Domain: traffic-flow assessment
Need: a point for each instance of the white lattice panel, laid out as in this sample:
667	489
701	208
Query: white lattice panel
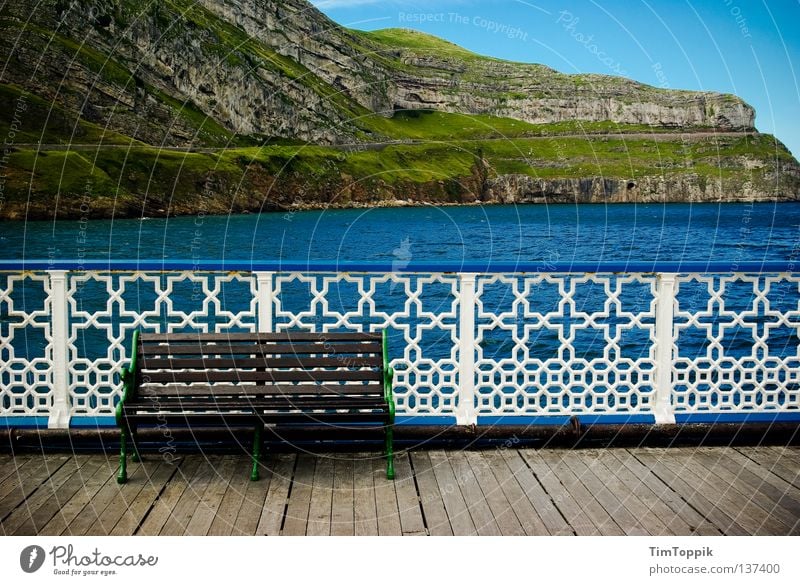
737	344
544	344
26	372
421	312
106	307
554	344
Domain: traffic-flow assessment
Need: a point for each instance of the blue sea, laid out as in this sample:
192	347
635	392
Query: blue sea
562	233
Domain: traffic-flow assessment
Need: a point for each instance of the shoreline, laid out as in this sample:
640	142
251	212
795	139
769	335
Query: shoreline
397	204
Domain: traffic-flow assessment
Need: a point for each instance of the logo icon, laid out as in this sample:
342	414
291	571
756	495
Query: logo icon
31	558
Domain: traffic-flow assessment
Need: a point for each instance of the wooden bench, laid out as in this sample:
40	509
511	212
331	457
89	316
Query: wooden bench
256	379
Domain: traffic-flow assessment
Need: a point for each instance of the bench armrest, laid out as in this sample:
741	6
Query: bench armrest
388	375
128	377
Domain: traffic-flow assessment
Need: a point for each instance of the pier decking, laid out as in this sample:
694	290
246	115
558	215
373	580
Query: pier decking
676	491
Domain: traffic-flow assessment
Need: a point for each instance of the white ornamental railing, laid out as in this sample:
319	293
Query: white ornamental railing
493	343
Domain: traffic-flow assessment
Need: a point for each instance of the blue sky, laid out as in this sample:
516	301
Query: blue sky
747	47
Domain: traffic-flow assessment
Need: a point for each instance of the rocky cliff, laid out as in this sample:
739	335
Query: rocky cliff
219	74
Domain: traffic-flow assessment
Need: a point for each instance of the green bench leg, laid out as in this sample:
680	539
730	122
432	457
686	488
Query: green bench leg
122	475
134	448
389	453
256	453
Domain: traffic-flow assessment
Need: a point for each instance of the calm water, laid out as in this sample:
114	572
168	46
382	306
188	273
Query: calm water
517	233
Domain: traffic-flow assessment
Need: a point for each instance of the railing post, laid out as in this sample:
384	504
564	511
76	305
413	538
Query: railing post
59	411
465	413
264	300
665	301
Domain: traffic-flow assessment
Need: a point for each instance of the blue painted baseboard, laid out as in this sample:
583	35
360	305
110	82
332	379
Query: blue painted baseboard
103	422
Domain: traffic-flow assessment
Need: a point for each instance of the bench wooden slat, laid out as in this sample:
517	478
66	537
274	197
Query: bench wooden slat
262	376
286	336
167	363
202	348
249	419
256	390
343	402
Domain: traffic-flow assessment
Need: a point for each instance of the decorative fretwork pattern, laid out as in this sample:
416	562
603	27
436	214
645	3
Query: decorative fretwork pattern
736	343
560	344
26	371
106	307
420	310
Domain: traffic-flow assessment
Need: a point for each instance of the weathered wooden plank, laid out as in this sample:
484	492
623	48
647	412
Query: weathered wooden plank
785	504
108	504
408	504
570	507
225	518
76	504
155	481
125	496
665	493
343	505
784	468
643	503
11	464
770	513
436	520
591	507
320	508
501	508
661	467
186	506
296	521
787	452
364	509
739	508
696	470
208	503
613	502
479	509
29	477
161	511
385	500
255	494
766	472
529	520
457	509
51	497
545	506
44	503
277	496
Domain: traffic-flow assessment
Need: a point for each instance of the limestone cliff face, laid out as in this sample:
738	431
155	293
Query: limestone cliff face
688	188
385	77
517	92
283	69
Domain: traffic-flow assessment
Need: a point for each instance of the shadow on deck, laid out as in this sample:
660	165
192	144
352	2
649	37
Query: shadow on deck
676	491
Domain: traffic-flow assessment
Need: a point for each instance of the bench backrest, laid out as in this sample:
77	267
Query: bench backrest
179	365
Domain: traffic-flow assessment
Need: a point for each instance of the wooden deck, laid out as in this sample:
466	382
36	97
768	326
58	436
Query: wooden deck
709	491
